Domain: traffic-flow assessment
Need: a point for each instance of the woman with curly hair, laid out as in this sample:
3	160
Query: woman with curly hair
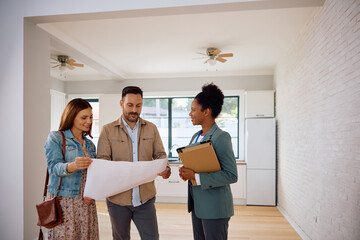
210	201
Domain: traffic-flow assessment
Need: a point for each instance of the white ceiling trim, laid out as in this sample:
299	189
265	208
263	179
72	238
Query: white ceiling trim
192	7
210	73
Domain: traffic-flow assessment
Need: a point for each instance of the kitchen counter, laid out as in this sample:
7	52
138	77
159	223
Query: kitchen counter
238	162
174	190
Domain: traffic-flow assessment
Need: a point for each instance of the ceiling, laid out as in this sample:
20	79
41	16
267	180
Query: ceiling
166	45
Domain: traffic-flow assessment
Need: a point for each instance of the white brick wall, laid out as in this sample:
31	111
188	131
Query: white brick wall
318	110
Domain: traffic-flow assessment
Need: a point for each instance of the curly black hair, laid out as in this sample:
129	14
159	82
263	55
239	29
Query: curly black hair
211	97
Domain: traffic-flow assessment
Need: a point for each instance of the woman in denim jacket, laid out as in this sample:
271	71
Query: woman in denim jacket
79	213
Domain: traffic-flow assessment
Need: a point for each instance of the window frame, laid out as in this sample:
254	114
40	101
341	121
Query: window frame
228	93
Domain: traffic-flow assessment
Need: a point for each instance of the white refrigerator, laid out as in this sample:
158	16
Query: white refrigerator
260	160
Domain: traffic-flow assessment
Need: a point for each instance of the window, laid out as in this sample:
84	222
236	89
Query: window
95	130
171	116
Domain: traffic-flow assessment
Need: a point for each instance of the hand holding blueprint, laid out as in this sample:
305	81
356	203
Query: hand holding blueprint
106	178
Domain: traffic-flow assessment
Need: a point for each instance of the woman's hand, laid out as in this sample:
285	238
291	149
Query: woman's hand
88	200
186	174
80	163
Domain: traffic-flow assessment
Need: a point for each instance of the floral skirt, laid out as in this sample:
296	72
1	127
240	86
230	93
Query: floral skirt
80	219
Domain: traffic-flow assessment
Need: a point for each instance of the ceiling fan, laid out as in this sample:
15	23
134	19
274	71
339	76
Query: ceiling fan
64	61
213	55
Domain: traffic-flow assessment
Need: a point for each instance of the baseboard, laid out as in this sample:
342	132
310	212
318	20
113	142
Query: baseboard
239	201
297	228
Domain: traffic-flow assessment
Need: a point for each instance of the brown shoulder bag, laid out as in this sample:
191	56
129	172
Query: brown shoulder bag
49	211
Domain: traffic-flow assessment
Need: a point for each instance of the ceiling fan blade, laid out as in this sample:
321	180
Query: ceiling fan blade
70	67
56	66
216	52
77	64
226	55
206	61
199	58
221	59
201	53
70	61
54	58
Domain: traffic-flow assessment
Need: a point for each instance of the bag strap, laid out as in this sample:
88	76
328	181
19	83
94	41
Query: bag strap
47	170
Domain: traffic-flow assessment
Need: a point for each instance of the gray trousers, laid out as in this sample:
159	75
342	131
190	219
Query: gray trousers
144	217
210	229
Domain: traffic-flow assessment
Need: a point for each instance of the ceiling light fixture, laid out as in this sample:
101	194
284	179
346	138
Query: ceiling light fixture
212	62
62	72
62	67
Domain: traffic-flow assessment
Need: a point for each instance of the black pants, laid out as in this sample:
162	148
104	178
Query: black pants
144	217
210	229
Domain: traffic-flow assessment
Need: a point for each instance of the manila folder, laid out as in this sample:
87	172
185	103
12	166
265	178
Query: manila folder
199	157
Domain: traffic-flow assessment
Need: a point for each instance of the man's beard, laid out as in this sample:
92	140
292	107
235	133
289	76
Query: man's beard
128	117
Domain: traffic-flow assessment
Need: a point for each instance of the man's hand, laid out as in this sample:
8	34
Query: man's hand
186	174
166	173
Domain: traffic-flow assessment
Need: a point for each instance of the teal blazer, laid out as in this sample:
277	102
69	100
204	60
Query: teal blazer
213	198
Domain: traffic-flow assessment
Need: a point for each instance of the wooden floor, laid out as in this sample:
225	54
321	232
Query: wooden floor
249	222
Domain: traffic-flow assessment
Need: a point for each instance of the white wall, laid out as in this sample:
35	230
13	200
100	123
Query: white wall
171	84
110	91
22	135
36	115
58	100
318	109
11	124
57	84
109	108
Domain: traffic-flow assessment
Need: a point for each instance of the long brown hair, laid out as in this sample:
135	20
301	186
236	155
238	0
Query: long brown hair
70	111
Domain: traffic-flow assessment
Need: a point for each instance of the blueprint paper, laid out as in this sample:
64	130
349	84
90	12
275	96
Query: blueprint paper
106	178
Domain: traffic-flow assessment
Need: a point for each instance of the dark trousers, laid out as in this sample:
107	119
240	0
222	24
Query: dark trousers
210	229
144	217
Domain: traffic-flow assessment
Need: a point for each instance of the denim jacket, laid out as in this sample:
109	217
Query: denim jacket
70	183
